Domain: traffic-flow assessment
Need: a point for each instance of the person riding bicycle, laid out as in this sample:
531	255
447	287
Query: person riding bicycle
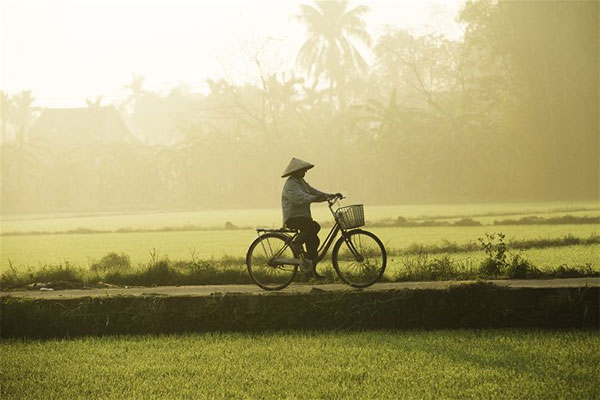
296	197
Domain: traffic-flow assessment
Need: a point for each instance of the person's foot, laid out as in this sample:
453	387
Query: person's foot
307	267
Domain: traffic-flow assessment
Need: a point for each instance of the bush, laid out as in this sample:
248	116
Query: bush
496	254
422	268
231	226
442	268
467	222
519	268
490	267
565	271
59	276
401	221
111	263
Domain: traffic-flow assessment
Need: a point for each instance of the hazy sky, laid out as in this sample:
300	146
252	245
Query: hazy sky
69	50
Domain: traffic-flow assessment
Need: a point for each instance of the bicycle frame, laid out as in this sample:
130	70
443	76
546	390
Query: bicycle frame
325	245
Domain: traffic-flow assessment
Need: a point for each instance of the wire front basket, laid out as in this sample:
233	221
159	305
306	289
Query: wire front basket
351	216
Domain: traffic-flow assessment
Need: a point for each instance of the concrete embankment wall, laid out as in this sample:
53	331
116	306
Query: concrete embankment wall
470	306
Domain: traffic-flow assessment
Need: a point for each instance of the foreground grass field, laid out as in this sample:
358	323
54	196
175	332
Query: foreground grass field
416	364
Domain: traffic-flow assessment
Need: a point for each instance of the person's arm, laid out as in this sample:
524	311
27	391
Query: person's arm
294	193
316	192
321	196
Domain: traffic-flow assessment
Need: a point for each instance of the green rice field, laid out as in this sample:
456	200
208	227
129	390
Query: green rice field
272	216
498	364
25	251
82	250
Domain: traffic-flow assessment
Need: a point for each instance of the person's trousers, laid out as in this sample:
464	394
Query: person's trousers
308	234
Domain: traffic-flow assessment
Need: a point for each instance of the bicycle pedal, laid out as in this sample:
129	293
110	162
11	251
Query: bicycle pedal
307	267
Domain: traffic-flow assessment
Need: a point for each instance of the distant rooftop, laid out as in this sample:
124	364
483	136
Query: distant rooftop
76	126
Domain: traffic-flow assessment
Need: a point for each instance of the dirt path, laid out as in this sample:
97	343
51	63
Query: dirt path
208	290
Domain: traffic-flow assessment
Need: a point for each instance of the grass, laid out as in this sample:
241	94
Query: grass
398	222
415	364
116	269
272	216
562	220
84	249
561	262
544	258
209	256
447	247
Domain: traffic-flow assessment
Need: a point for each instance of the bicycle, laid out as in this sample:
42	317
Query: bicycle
358	256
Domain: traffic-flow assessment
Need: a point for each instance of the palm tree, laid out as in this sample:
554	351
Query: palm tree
21	154
94	103
24	113
329	50
136	88
6	107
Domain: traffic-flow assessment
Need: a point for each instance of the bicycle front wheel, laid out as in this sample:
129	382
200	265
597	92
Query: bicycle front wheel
270	262
359	258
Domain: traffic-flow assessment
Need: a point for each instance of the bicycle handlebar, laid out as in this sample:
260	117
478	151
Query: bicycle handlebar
331	201
335	198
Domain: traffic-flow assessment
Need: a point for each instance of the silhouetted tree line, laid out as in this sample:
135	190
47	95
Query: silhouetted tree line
508	113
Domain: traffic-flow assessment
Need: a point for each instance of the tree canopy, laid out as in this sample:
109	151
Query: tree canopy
509	112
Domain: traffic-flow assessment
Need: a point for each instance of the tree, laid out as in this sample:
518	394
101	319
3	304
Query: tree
24	113
6	110
20	160
94	103
136	89
329	50
543	58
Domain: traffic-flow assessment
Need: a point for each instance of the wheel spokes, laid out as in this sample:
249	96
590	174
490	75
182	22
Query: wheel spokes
360	259
267	263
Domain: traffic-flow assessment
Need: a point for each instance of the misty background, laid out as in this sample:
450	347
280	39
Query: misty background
505	111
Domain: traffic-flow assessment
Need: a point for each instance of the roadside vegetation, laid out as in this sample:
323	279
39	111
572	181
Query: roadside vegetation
84	249
430	243
414	263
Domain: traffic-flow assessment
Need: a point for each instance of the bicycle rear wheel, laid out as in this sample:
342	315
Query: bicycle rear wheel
270	262
359	258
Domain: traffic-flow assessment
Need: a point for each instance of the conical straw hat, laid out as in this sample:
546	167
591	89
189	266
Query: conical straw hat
296	165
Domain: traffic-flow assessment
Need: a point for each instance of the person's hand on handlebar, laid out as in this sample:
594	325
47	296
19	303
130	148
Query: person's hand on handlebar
328	197
334	197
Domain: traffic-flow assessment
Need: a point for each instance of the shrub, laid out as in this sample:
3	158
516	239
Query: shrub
59	276
401	221
111	263
159	273
442	268
490	267
496	254
421	268
467	222
230	226
519	268
565	271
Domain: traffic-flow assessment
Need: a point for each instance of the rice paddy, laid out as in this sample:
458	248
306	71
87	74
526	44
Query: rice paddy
505	364
117	233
